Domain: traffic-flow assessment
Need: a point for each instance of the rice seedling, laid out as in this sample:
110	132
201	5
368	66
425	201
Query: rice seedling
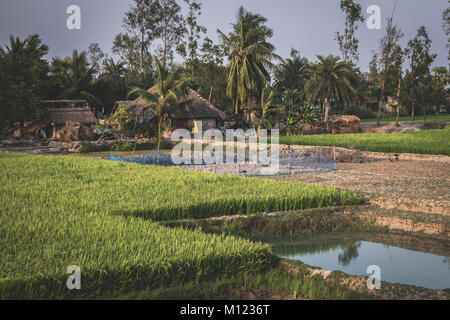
436	142
98	215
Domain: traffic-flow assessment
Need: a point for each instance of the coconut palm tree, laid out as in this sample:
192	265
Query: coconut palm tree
75	76
331	80
169	88
292	73
250	56
113	69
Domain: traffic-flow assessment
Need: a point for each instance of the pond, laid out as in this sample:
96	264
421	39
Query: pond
353	257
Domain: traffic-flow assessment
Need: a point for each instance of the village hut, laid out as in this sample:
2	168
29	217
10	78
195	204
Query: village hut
191	111
60	120
58	117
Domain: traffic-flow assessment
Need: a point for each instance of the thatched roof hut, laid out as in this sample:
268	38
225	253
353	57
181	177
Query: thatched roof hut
191	107
59	116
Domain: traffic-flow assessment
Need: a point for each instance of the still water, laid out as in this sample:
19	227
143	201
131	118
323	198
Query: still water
353	257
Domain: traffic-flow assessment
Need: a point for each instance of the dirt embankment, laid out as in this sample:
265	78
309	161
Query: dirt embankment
388	291
417	189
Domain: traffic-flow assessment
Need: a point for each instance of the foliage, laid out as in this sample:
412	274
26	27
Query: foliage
250	56
446	26
189	49
331	81
269	106
74	76
23	79
168	90
133	45
170	29
360	112
418	53
122	115
292	73
291	105
348	43
387	63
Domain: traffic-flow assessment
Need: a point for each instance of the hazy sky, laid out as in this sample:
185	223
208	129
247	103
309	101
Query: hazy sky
306	25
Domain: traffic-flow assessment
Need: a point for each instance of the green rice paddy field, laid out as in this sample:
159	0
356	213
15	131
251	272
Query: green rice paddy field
58	211
418	119
435	142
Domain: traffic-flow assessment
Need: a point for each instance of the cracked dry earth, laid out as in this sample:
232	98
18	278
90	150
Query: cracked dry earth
409	185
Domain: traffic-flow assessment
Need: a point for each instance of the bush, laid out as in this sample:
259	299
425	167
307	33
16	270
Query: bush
360	112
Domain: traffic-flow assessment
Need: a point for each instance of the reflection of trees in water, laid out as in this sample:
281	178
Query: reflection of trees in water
349	253
447	261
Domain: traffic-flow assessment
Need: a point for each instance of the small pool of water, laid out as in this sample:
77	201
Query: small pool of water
397	265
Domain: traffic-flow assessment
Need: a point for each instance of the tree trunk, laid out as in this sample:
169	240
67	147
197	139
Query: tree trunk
398	102
424	114
159	133
398	115
380	103
210	94
413	100
236	110
327	111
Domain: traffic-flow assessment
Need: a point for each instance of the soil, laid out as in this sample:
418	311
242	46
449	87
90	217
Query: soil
406	185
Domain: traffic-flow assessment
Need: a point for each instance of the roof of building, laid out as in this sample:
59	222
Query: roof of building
191	106
59	116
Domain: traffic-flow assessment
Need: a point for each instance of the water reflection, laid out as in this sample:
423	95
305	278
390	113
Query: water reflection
351	256
349	253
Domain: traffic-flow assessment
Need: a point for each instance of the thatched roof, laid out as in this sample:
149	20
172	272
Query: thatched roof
61	115
192	106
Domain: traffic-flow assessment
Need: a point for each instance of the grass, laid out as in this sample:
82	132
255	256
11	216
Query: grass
272	283
61	211
290	226
435	142
418	119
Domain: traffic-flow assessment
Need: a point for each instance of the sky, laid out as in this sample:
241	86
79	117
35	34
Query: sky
306	25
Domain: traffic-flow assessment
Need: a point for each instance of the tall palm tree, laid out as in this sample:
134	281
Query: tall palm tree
292	73
331	80
169	88
250	56
75	75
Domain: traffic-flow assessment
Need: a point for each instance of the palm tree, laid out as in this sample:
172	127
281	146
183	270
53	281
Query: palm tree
113	69
76	75
292	73
331	80
165	94
291	108
250	56
269	106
